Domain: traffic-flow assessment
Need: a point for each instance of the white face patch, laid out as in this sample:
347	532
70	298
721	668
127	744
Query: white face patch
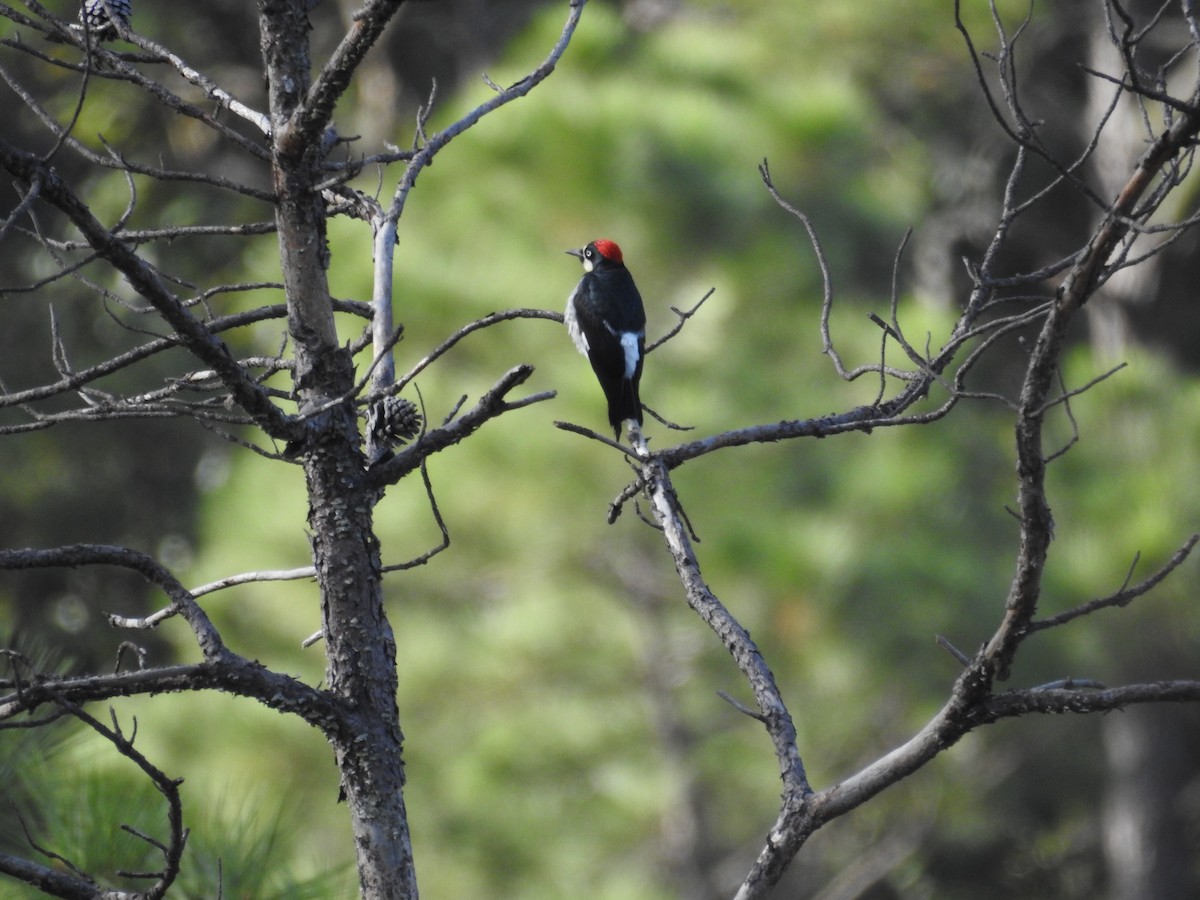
588	265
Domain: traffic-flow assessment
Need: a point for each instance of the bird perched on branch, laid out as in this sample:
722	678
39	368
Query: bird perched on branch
606	321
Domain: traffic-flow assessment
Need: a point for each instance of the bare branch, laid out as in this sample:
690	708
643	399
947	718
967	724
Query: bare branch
1125	595
211	90
444	544
76	555
683	316
784	840
742	707
945	644
167	612
484	322
1064	700
968	708
48	880
315	113
1085	275
198	339
826	277
204	379
490	405
425	155
231	674
254	577
119	162
172	850
31	193
596	436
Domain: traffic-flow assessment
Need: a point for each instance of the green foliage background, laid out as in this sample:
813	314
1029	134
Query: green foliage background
544	655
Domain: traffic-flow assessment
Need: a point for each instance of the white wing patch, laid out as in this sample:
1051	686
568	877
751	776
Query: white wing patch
629	341
572	322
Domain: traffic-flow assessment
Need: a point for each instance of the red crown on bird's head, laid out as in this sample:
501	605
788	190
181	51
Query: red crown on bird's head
609	250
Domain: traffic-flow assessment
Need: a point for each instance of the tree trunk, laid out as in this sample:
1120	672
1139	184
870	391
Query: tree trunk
361	663
360	649
1151	759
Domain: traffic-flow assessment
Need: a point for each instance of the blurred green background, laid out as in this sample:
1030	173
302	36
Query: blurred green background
564	733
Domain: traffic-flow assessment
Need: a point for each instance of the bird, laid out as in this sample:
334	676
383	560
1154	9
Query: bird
94	15
607	322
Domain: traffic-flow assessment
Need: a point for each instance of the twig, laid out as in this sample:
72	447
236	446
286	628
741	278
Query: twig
75	555
596	436
742	707
484	322
198	339
490	405
1125	595
682	316
424	156
945	644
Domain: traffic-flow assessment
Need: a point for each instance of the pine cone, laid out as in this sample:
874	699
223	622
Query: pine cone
94	16
393	421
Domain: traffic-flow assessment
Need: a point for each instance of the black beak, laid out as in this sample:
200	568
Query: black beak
578	254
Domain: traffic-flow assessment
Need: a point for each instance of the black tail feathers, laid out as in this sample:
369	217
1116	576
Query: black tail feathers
624	403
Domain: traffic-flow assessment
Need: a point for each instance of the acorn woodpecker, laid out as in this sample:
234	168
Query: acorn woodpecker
606	321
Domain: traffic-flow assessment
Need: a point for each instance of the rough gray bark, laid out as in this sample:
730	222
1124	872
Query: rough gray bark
360	648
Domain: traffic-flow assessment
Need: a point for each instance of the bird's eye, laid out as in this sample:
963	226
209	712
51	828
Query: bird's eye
589	252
